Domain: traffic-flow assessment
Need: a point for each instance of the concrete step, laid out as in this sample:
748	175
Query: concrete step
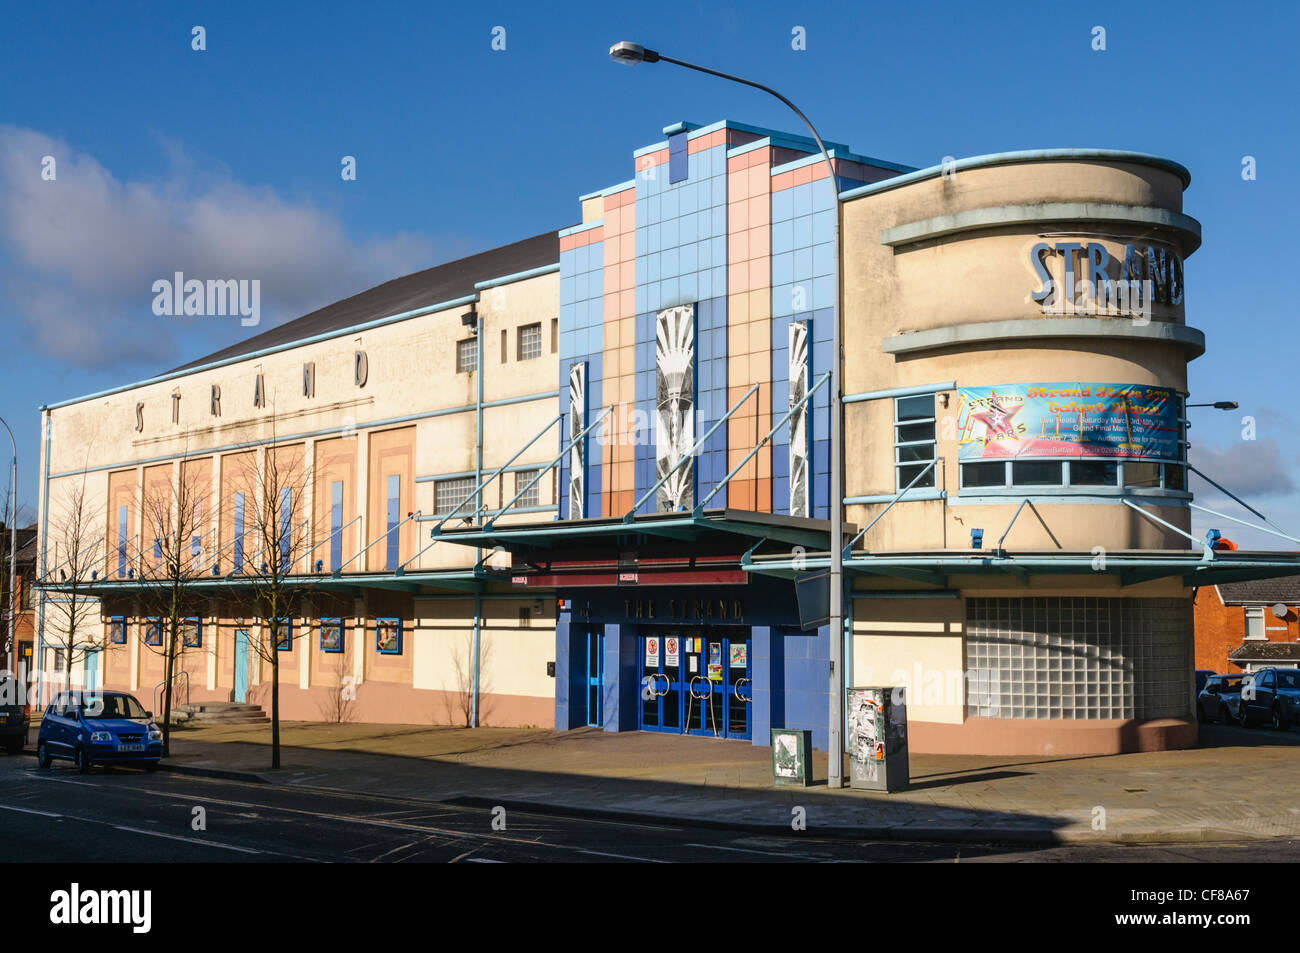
222	713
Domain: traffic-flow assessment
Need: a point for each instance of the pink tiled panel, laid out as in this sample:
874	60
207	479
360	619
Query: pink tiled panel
749	312
577	240
617	387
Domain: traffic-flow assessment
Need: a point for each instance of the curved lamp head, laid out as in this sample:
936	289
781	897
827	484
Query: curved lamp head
630	54
1225	405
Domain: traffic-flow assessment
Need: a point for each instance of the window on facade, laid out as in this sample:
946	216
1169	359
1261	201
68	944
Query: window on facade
1137	473
530	342
914	439
1175	477
466	355
448	494
26	594
1255	622
1093	472
522	479
284	635
153	631
117	630
1036	473
336	525
394	518
983	474
239	532
191	632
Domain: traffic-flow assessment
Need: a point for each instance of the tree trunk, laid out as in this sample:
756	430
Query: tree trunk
275	699
169	674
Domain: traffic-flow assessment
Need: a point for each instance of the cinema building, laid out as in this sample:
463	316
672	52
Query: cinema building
583	479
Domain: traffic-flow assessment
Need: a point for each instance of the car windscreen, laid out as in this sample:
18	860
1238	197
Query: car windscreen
1287	679
1230	684
110	706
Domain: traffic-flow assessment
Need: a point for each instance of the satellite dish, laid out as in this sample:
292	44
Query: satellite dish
1280	611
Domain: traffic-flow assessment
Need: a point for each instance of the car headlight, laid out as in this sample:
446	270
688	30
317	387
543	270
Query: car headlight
100	736
155	733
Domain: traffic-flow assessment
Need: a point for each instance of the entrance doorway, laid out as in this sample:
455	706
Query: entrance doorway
696	682
241	665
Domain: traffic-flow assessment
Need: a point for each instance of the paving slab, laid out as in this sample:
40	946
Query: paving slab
1240	785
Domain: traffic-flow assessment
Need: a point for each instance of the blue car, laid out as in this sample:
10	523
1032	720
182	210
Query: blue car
98	728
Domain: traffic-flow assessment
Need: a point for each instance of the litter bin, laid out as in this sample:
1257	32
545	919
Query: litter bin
878	739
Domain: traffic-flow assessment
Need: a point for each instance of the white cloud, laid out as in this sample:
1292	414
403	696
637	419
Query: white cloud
81	253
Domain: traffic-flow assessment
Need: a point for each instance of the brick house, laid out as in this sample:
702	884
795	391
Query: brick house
1242	626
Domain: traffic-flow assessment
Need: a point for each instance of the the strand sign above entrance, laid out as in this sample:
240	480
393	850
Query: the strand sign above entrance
699	610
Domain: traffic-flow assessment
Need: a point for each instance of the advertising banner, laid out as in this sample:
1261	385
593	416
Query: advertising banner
1113	421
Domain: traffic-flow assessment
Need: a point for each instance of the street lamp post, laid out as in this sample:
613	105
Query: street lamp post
10	648
630	54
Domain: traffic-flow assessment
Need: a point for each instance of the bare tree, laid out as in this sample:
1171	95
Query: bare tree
280	542
174	513
460	701
74	548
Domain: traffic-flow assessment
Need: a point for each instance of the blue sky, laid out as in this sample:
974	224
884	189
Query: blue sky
171	159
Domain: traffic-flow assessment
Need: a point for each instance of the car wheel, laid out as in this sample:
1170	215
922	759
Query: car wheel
1225	717
80	760
1279	718
1243	715
43	758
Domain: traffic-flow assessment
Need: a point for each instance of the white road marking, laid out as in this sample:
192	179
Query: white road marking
188	840
483	860
741	850
601	853
24	810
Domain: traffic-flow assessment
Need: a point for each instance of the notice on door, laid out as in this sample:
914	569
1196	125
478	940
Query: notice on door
715	661
671	658
739	656
652	653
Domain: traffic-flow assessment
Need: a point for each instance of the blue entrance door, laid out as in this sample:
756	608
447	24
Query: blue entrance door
595	677
241	665
696	681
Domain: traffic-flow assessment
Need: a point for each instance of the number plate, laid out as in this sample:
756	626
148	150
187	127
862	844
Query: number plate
4	719
130	747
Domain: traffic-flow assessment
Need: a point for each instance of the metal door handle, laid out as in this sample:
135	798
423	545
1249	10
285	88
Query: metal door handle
735	688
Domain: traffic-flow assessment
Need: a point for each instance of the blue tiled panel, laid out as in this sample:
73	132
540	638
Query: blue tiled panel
803	289
681	247
798	673
582	338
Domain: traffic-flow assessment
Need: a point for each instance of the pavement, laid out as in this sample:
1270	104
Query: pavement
1241	785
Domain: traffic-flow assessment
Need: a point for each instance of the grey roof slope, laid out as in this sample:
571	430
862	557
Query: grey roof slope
1284	589
445	282
1266	652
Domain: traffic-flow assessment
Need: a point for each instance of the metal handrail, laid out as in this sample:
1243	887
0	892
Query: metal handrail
699	508
272	545
1000	551
175	676
501	469
384	535
328	537
1237	498
528	486
1262	529
627	517
1207	550
897	496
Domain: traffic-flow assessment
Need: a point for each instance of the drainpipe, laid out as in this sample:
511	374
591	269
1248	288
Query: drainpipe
478	615
44	545
478	510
